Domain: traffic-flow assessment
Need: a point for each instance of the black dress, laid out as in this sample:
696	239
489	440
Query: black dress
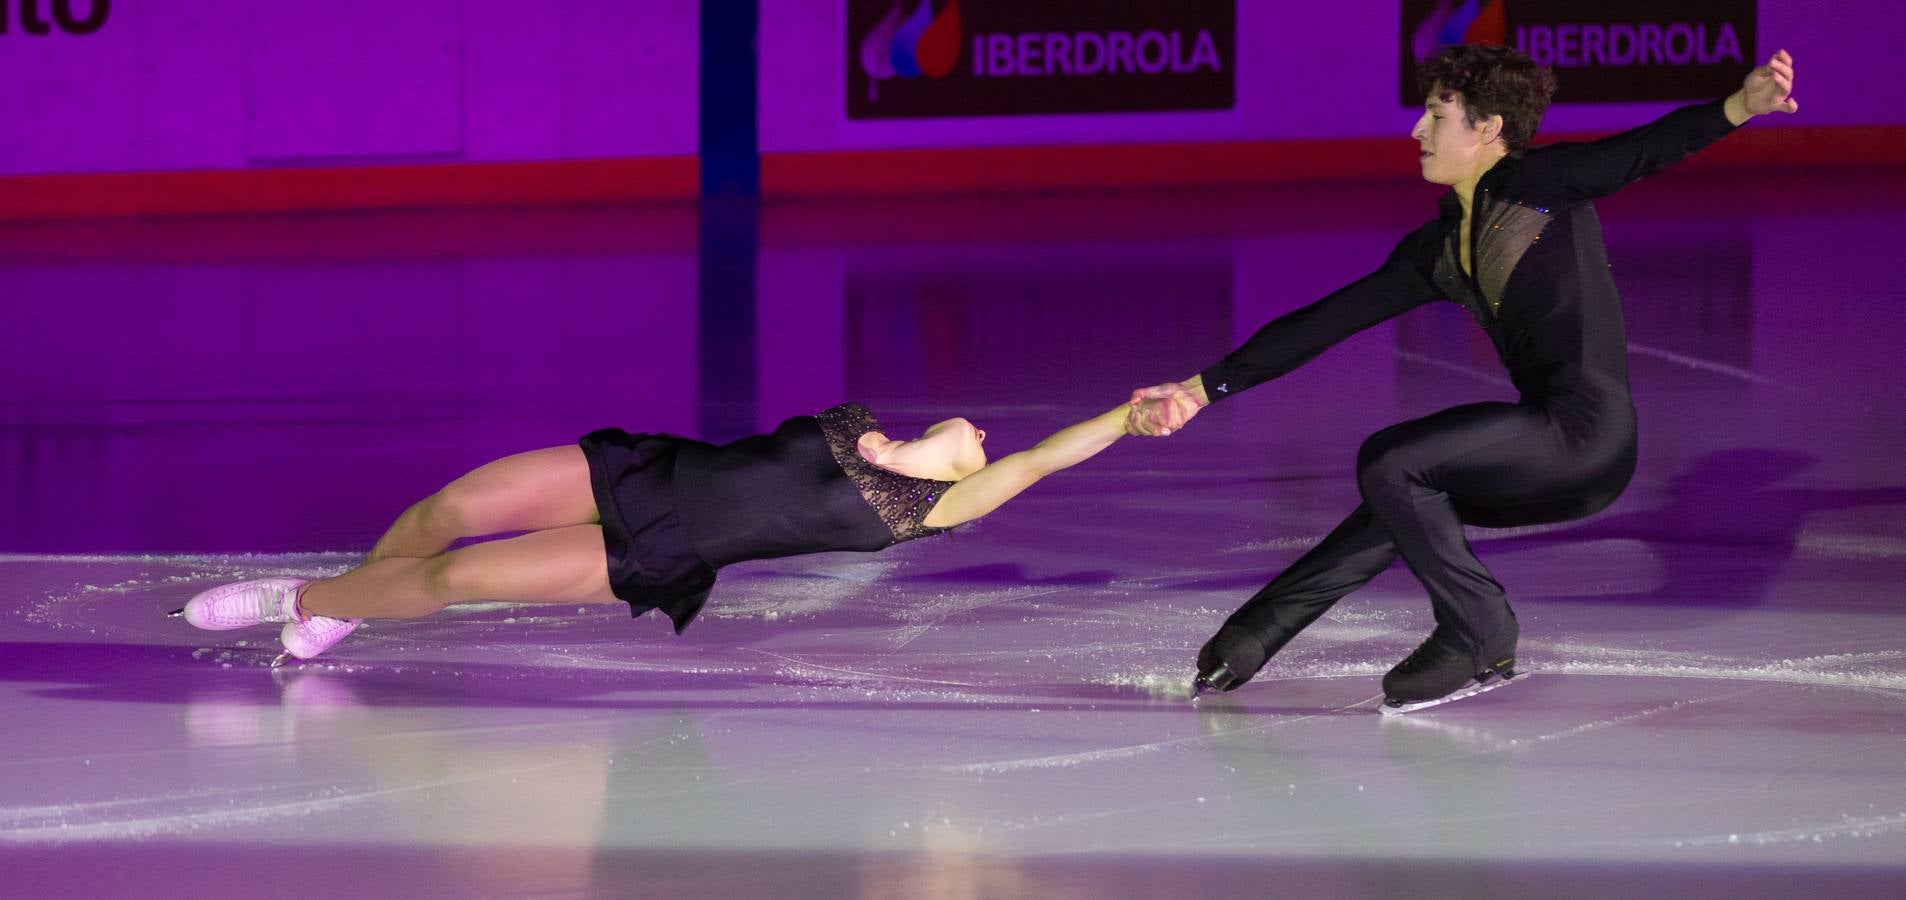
674	510
1542	291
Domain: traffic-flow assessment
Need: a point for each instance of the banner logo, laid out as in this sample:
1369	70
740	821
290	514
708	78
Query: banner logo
934	58
923	44
1610	51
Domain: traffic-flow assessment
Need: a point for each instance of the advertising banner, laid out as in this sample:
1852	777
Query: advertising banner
947	58
1610	51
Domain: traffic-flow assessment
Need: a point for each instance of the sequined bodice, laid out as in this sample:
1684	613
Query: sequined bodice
1449	278
1504	232
902	501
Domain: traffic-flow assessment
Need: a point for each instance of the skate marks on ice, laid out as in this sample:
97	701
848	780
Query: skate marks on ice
1129	751
835	621
1067	720
1271	718
1839	827
186	812
103	595
1139	652
1880	671
1142	648
773	592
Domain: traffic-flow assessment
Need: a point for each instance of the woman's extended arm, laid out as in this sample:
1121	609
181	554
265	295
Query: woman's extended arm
983	491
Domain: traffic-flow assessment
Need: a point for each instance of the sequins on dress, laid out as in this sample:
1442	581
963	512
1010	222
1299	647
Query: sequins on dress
902	501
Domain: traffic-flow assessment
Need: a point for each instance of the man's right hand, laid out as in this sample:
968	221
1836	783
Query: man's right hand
1159	411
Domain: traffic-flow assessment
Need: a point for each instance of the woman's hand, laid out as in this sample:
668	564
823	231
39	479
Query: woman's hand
1159	411
874	447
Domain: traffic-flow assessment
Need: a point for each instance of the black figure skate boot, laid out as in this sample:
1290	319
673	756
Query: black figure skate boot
1443	669
1235	654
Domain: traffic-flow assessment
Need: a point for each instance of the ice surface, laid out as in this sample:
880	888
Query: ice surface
1719	710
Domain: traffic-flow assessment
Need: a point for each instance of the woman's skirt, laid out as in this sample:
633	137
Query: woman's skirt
652	564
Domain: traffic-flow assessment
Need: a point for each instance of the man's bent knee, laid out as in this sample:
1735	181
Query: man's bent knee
1382	467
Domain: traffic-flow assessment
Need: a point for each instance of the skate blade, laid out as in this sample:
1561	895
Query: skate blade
176	614
1463	694
1213	682
282	658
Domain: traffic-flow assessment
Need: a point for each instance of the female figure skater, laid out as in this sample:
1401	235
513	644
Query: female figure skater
1516	243
647	519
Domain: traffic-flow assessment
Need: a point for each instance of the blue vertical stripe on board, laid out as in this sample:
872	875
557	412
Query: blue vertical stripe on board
730	224
730	155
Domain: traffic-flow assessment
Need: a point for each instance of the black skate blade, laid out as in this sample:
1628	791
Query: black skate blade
282	658
1393	708
176	614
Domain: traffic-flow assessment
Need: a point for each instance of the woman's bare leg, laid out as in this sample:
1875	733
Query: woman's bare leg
532	491
559	565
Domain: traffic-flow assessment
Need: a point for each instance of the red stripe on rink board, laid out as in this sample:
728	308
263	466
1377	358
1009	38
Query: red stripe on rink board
836	173
934	171
36	197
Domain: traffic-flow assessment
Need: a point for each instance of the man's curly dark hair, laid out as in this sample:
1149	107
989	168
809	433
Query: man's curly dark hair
1492	81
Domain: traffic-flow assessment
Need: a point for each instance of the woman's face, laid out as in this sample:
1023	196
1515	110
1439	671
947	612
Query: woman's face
1452	149
961	442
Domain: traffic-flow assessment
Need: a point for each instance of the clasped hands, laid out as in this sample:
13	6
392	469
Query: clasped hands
1159	411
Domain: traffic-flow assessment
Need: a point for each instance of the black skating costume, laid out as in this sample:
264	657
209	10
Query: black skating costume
1541	288
675	510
